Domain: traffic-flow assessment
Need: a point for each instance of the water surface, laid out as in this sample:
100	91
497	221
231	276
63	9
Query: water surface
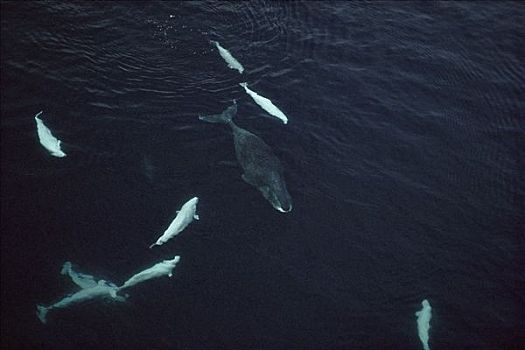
403	154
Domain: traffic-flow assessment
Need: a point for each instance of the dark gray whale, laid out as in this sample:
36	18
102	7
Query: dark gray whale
261	167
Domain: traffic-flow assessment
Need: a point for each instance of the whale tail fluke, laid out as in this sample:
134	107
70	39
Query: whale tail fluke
38	115
41	312
225	117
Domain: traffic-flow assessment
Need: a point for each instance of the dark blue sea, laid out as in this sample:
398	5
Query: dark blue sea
404	155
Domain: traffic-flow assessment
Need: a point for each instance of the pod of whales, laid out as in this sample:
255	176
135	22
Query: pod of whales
158	270
46	138
184	217
261	167
265	103
91	289
227	56
423	322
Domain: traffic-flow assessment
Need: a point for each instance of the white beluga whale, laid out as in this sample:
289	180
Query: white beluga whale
91	289
184	217
262	169
265	104
227	56
164	268
423	323
46	138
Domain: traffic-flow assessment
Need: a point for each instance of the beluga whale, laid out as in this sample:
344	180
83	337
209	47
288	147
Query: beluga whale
164	268
265	103
423	323
184	217
227	56
91	289
46	138
262	169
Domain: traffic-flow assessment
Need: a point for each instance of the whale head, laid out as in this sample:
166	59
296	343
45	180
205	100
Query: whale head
58	153
170	265
278	195
193	201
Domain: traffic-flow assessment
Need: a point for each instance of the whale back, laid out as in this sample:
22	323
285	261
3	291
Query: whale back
262	168
255	156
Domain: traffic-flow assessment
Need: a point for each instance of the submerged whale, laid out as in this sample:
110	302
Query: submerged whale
423	322
91	289
46	138
184	217
265	103
227	56
261	167
158	270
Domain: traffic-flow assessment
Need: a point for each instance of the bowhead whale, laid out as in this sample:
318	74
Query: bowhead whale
261	167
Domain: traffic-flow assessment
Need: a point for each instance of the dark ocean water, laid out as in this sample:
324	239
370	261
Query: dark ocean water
404	155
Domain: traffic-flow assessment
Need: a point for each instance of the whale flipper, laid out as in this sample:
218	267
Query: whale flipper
122	298
247	180
41	312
